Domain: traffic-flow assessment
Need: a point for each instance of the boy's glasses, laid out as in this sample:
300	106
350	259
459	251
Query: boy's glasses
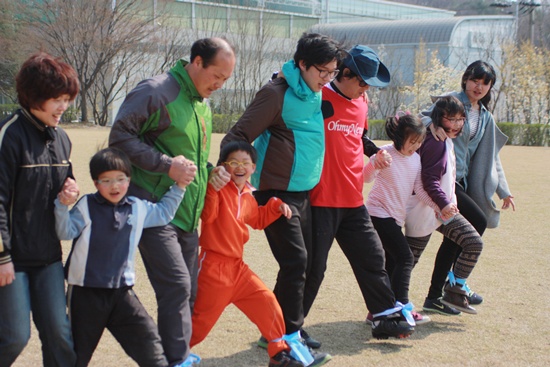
235	164
455	121
324	73
111	181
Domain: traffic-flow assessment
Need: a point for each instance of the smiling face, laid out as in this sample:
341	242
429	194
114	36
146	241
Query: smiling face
112	185
240	166
52	110
316	76
412	144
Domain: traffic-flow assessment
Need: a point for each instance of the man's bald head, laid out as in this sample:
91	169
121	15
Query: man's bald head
208	49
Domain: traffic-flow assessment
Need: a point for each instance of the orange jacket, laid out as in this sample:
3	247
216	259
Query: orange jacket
226	214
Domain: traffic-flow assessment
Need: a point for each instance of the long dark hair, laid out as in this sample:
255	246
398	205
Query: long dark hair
480	70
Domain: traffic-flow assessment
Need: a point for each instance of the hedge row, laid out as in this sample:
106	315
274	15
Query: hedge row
518	134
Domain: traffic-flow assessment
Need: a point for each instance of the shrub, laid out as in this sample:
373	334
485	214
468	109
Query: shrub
221	123
527	135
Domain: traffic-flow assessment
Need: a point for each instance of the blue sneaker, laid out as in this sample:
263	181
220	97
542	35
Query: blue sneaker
192	360
319	358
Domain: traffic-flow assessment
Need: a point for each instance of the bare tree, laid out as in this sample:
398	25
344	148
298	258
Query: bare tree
94	36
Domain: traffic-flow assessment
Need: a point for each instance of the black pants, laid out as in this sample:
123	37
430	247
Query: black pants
449	251
353	229
91	310
290	242
398	255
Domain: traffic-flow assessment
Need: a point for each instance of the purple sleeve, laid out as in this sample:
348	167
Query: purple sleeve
434	163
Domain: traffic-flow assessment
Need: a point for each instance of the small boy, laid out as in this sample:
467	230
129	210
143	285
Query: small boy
224	278
100	271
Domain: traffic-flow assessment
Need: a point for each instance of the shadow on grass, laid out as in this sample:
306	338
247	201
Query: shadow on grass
342	338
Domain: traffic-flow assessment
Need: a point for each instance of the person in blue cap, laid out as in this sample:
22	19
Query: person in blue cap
337	203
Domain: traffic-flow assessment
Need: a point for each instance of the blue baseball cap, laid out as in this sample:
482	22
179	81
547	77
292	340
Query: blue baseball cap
364	62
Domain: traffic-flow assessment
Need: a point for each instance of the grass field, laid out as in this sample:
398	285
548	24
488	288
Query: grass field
510	329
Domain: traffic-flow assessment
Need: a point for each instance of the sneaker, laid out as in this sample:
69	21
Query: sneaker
420	319
435	305
192	360
310	342
319	358
474	298
262	342
394	327
455	297
284	359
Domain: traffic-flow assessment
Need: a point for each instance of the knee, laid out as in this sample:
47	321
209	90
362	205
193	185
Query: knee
14	344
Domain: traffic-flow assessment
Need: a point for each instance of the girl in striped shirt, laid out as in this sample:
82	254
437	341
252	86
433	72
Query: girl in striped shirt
387	200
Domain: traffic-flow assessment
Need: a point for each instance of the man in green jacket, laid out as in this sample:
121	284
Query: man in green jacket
164	125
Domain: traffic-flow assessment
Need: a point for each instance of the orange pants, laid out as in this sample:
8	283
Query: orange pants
223	281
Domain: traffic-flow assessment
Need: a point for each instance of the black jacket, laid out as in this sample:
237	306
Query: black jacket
34	163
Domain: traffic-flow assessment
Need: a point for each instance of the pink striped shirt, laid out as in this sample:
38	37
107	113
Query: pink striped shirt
393	186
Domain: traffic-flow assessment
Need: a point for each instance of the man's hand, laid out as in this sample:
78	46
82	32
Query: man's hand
182	170
7	274
219	177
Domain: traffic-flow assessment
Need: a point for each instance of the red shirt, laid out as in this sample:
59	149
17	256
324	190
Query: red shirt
341	184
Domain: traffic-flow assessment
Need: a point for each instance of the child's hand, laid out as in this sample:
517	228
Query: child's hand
285	209
382	159
449	211
219	177
69	193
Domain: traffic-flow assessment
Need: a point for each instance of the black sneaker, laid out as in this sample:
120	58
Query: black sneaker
474	298
394	327
435	305
310	342
284	359
319	358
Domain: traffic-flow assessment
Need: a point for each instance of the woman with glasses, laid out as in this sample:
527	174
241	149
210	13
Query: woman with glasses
479	173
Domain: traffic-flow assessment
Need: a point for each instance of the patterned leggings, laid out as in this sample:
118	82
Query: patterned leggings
461	232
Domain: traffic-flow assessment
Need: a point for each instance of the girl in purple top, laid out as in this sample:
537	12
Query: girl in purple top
438	178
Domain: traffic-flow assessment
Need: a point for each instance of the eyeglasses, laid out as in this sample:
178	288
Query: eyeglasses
235	164
324	73
455	121
110	182
362	83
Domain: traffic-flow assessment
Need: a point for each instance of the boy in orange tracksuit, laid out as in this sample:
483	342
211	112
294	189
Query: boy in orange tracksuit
224	278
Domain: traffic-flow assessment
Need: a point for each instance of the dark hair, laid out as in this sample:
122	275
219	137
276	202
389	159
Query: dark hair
109	159
480	70
317	49
400	129
208	48
43	77
446	106
235	146
345	72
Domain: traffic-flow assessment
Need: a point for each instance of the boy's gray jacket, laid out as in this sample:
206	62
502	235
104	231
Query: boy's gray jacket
34	163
